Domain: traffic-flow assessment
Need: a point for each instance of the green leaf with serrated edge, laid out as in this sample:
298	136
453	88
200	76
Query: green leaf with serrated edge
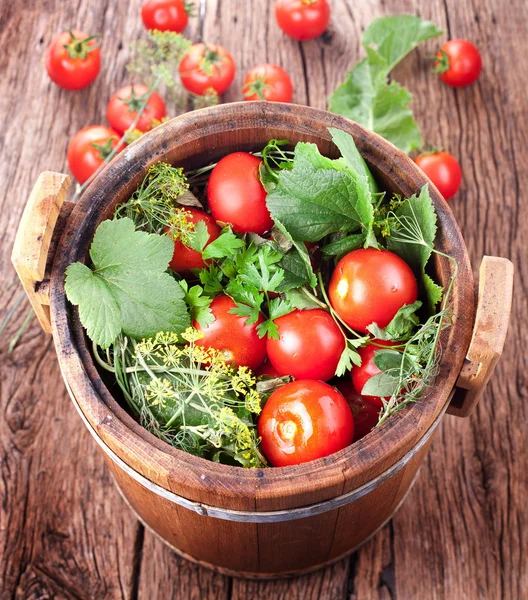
401	326
355	162
198	303
225	245
243	310
128	289
268	328
211	279
318	197
394	36
295	273
433	292
302	251
300	299
350	356
343	246
278	307
199	237
381	385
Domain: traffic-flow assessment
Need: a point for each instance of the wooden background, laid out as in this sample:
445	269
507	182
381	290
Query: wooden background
64	530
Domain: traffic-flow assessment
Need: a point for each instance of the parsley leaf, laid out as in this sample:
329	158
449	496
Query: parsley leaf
278	307
128	290
199	237
198	303
318	197
401	326
225	245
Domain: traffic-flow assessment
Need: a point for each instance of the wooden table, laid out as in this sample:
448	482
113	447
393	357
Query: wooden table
462	533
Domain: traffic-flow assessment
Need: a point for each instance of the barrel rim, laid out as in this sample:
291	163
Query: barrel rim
197	478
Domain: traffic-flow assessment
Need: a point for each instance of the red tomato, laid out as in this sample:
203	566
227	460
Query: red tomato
459	63
302	421
124	104
73	60
236	196
302	19
88	149
365	413
239	343
268	82
443	170
184	258
165	15
207	67
266	369
370	286
360	375
309	345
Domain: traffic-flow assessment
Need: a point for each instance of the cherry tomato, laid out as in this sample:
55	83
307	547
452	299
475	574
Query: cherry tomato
458	62
370	286
360	375
310	345
239	342
302	19
266	369
207	67
268	82
124	104
302	421
236	196
165	15
73	60
88	149
365	413
443	170
184	258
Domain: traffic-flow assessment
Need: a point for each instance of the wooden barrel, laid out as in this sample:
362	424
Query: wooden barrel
256	522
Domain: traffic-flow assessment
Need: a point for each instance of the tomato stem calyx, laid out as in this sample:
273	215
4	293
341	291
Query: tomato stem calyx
80	48
104	149
257	86
441	64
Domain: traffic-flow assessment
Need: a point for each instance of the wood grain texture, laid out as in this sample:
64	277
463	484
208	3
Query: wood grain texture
463	530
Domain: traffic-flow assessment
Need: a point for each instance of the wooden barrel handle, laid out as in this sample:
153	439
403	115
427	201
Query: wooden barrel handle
36	239
489	333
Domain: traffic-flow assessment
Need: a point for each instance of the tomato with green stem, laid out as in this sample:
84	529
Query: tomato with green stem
185	258
443	170
207	67
268	82
302	19
458	62
124	105
361	374
166	15
302	421
309	345
88	150
73	59
236	195
237	340
365	413
370	286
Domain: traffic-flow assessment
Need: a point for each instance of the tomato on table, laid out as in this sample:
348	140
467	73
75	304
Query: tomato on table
360	375
302	19
184	258
310	345
458	62
365	413
302	421
88	149
229	333
123	107
268	82
236	196
166	15
73	59
443	170
207	67
370	286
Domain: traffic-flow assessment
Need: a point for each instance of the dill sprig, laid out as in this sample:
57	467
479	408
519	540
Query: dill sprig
189	396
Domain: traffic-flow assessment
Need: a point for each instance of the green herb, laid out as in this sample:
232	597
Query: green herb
198	302
189	396
401	326
225	245
319	196
367	96
343	245
128	289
